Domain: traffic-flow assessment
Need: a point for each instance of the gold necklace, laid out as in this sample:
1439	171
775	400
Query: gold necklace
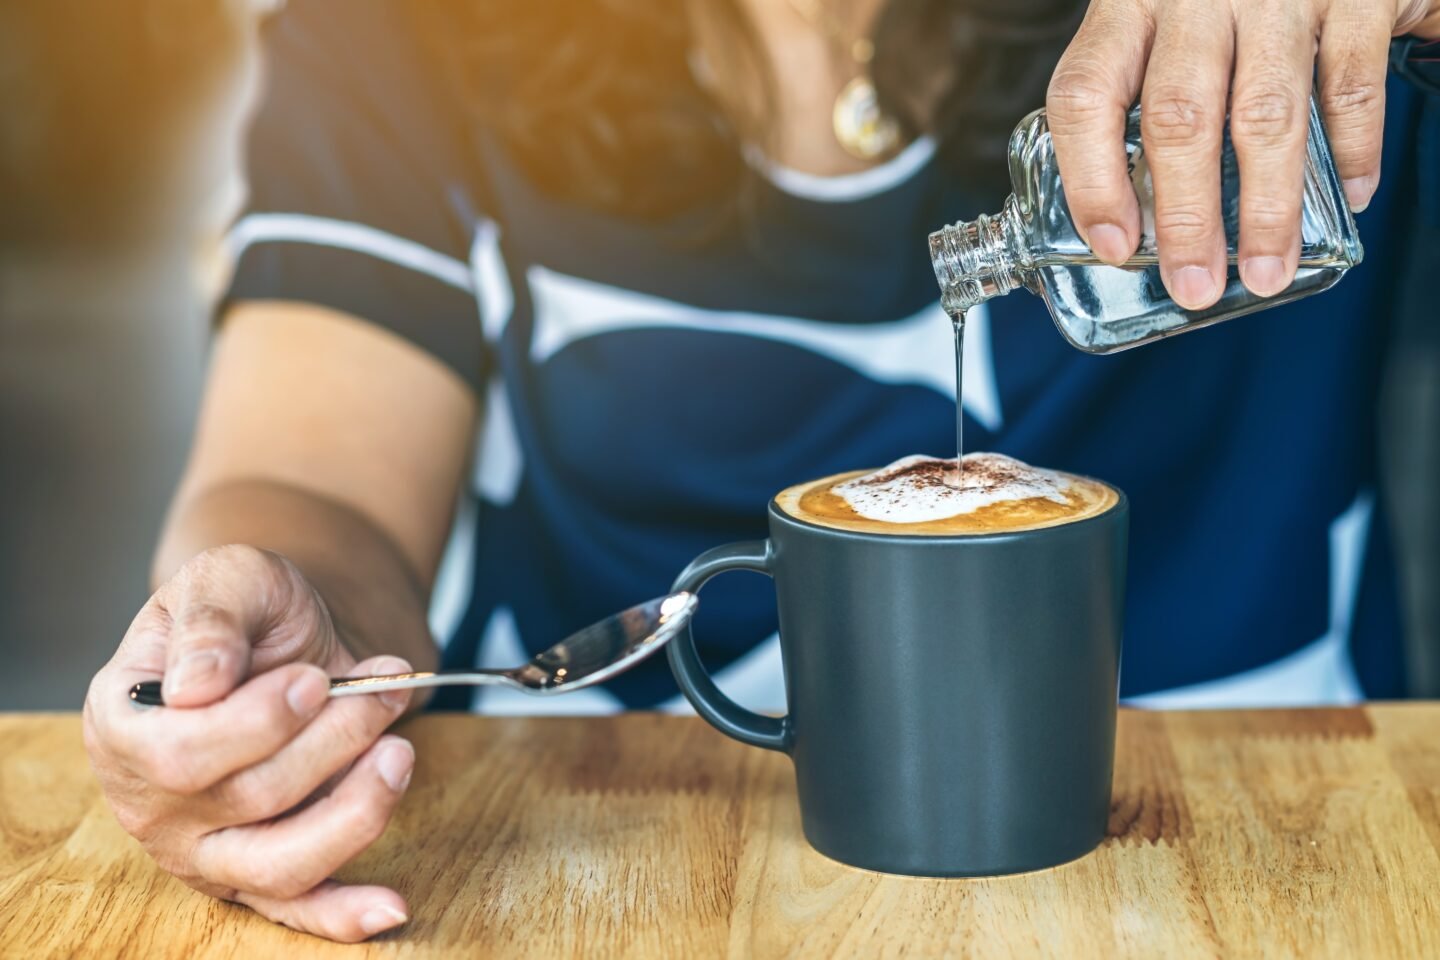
861	128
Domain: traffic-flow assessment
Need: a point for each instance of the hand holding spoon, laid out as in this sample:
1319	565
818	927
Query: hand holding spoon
590	656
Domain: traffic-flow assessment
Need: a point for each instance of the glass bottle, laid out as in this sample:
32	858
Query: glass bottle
1033	244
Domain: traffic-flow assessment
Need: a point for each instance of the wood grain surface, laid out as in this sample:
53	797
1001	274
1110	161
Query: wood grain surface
1233	834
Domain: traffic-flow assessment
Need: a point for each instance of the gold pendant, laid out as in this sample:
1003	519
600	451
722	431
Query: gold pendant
862	129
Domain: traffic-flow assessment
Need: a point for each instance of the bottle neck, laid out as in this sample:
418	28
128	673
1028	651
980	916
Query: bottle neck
979	260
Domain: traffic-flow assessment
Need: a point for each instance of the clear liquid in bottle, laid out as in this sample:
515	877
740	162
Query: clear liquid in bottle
1032	243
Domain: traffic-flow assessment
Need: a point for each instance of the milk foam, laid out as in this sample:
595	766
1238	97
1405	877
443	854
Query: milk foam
914	489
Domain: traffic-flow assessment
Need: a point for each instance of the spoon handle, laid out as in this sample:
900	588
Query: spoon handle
147	694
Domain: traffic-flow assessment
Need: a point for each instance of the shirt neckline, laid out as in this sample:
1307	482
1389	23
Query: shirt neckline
848	186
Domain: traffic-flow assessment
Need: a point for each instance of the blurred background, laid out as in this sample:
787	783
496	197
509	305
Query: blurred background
120	163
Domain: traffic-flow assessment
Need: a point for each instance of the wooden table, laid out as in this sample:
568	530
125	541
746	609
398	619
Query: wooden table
1234	834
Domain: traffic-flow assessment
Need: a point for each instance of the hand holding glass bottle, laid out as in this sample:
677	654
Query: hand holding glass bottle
1034	242
1184	61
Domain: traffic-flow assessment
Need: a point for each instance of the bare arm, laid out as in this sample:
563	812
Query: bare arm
335	444
302	542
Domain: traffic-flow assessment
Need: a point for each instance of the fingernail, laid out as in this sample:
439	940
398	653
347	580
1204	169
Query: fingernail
1192	287
1358	191
192	670
307	694
394	699
1109	243
379	919
1265	276
396	763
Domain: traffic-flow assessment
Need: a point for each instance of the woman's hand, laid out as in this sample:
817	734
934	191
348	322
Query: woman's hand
1189	61
251	785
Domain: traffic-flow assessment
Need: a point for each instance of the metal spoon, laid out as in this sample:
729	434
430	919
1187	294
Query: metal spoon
592	655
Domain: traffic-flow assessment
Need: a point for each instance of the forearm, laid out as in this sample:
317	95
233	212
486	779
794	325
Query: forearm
374	596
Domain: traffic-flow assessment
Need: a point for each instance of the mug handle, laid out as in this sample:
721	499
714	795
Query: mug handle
727	716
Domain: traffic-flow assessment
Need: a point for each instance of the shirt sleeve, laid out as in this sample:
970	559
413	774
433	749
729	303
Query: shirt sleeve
357	180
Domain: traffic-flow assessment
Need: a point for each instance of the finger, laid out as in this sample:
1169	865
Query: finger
1269	121
186	750
335	911
221	605
345	729
140	656
1086	107
1354	47
1418	17
1181	119
285	858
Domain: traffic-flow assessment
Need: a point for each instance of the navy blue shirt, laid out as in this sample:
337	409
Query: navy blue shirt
649	387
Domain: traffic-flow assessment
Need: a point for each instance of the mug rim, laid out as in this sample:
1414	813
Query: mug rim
1120	506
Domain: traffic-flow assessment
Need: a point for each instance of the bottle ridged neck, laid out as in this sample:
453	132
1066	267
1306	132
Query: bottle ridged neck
978	260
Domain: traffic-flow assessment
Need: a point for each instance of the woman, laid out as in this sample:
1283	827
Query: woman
695	287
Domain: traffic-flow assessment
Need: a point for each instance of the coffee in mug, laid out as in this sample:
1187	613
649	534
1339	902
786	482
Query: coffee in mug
918	496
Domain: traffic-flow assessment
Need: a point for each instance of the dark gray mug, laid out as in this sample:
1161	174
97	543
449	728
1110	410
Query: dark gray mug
951	698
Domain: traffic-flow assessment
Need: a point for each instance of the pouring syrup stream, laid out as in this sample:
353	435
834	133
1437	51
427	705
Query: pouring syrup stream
953	478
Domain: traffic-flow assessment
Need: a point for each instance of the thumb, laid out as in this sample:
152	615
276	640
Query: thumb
207	657
218	610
